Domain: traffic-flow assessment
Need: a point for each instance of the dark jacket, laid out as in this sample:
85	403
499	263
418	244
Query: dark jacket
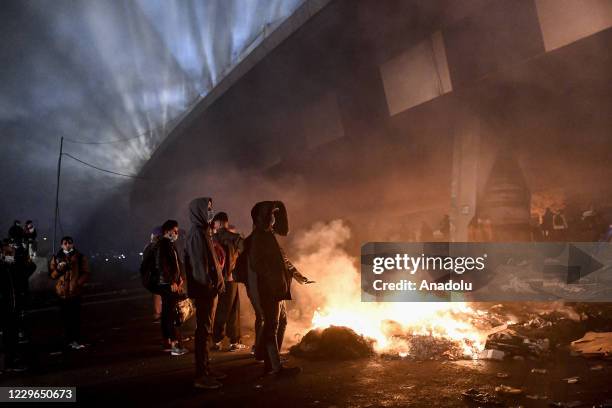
266	257
14	283
167	262
232	245
202	268
72	277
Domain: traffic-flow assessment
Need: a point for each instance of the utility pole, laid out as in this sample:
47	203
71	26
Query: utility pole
59	170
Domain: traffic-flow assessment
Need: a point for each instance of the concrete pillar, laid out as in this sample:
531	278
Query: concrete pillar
464	178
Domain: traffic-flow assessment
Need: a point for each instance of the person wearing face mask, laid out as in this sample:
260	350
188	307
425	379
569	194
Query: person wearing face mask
204	283
71	270
269	282
168	264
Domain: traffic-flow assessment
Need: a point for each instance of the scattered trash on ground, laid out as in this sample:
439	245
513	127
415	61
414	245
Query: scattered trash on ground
536	397
539	371
571	404
506	389
491	354
597	367
593	344
503	375
481	397
572	380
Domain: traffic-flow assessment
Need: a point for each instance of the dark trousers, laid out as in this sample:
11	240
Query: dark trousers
10	329
227	316
272	333
70	310
205	316
169	318
280	326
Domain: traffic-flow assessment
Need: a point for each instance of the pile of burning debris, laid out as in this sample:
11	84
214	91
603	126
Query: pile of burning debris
508	332
342	343
336	343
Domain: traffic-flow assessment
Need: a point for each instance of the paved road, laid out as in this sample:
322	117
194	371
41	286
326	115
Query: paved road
124	365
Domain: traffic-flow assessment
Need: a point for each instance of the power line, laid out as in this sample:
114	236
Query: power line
101	169
116	140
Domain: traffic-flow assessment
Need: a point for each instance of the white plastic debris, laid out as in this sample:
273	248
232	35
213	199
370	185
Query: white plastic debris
491	355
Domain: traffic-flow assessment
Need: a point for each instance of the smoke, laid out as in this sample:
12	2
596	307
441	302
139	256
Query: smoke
320	256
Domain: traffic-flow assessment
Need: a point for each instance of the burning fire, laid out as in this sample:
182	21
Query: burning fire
388	324
337	300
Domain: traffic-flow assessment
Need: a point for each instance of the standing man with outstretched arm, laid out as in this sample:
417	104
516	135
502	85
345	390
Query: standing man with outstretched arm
204	283
270	275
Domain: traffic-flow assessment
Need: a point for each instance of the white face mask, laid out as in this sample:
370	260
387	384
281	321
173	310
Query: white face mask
67	251
173	237
210	214
9	259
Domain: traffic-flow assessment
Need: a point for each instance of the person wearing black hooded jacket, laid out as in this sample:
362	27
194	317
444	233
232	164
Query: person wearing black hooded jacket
15	270
270	277
204	283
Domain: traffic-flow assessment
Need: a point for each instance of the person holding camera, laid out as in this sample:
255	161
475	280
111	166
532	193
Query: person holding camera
71	270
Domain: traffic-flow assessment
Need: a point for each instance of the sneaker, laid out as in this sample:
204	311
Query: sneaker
217	375
216	346
207	382
76	346
237	347
178	351
285	372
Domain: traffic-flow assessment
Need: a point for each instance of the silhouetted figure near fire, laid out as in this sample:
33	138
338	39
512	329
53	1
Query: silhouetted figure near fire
559	233
270	275
204	283
547	224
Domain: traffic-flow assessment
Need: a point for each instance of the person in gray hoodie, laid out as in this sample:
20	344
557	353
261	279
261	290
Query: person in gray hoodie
204	283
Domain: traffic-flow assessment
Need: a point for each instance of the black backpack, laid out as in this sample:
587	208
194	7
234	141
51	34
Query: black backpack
149	274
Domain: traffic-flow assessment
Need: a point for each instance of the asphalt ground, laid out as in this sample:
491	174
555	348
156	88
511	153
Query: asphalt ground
124	365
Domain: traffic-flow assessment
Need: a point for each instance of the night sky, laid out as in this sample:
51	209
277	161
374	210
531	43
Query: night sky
114	75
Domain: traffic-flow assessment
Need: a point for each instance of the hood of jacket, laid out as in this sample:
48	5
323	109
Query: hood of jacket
261	214
204	268
198	211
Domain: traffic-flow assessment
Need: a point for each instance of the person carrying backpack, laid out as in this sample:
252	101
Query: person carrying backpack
169	269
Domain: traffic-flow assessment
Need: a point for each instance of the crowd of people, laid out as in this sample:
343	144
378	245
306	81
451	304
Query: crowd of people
203	278
17	264
215	261
16	267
